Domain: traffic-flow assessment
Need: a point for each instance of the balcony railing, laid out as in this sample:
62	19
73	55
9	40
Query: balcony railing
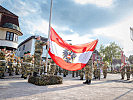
12	26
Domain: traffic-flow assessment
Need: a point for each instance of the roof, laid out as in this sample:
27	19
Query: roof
31	37
5	11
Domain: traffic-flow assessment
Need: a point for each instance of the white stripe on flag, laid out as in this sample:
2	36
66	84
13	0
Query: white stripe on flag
80	57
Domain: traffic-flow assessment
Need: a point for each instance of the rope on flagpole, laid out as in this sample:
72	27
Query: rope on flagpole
49	32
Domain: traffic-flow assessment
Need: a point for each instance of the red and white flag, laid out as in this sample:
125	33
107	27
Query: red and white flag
69	57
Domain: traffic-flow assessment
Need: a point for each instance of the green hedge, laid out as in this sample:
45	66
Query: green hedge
45	80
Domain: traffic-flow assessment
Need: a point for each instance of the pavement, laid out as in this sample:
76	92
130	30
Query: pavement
112	88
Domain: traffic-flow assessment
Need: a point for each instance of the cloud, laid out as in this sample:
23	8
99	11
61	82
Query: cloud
119	32
100	3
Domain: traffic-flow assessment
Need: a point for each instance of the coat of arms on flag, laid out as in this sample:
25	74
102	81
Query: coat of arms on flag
69	57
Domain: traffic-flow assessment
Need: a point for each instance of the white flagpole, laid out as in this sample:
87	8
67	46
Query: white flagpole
49	31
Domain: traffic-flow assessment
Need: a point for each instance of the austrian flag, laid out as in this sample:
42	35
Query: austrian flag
69	57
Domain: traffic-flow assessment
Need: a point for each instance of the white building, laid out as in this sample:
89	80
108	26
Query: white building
9	29
29	45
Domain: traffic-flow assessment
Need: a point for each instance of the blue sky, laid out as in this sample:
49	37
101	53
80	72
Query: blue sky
78	20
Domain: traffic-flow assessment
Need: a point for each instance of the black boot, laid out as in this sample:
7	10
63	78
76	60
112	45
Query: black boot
22	76
35	74
25	77
3	75
89	82
86	82
81	78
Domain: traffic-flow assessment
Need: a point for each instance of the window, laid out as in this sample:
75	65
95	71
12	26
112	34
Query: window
23	47
15	37
9	36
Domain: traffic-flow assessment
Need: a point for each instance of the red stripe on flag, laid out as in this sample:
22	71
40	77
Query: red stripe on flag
74	48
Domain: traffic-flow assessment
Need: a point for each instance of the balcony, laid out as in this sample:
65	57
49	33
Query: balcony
12	26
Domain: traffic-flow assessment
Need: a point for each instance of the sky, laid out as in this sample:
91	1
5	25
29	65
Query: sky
81	21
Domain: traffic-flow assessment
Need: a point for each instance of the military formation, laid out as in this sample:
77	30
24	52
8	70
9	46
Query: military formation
34	65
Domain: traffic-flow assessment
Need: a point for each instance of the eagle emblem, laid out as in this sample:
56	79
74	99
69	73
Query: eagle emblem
68	56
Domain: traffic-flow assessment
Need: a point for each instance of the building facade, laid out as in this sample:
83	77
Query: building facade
9	29
29	45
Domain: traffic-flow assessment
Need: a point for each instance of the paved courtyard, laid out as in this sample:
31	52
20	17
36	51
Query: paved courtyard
111	88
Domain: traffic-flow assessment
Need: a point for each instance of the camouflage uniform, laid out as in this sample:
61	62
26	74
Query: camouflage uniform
52	67
95	71
64	72
37	56
10	64
88	72
132	70
105	70
2	64
81	74
128	71
123	73
56	70
60	71
48	67
17	66
27	66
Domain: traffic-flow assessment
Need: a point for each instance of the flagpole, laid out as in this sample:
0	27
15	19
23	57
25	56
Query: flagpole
49	32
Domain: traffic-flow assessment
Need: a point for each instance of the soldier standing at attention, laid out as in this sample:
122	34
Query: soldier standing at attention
38	55
2	63
28	65
105	70
52	67
95	70
23	64
123	72
128	71
81	74
88	72
11	60
132	69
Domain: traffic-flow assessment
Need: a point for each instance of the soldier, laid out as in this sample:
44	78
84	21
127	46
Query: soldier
27	65
37	55
128	69
132	69
105	70
95	70
52	67
56	70
17	65
73	73
10	63
2	63
23	65
43	67
60	71
81	74
64	72
122	72
88	72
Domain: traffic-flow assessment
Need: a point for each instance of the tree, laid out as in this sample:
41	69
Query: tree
109	52
131	59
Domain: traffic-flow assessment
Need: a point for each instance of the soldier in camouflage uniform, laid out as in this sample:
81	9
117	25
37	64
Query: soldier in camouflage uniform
27	65
2	63
64	72
122	72
52	67
23	63
88	72
60	71
17	65
10	63
104	70
37	55
81	74
128	72
56	70
132	69
95	70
